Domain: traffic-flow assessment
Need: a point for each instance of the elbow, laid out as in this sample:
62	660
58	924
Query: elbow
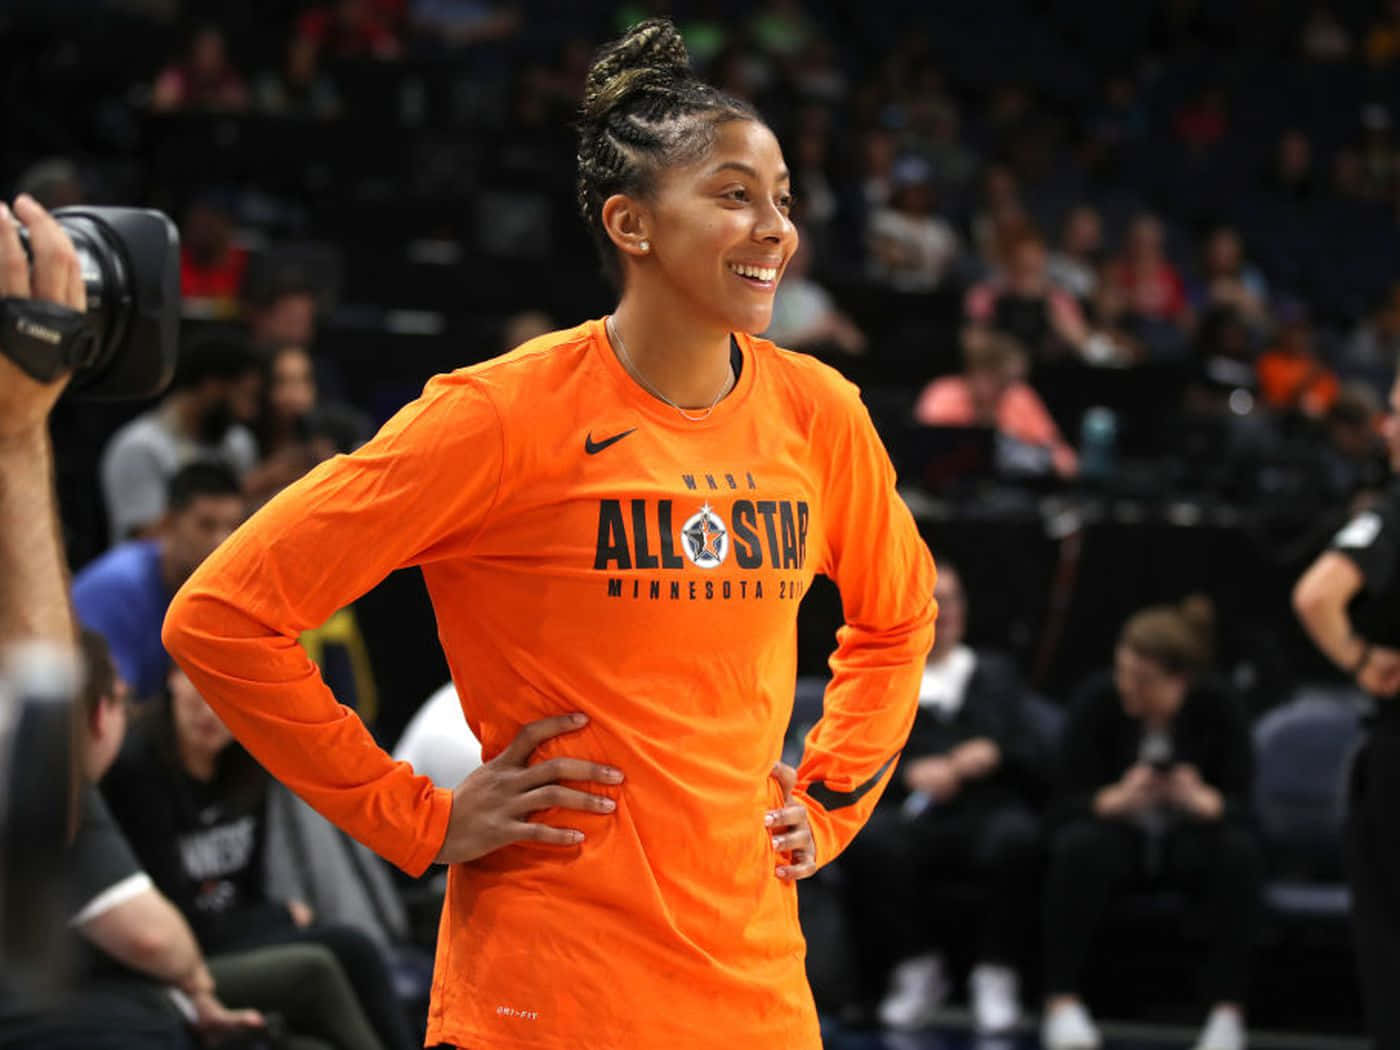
1308	599
175	632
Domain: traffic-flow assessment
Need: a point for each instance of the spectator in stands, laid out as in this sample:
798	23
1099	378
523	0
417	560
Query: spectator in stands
281	309
1293	175
877	161
960	807
1293	378
289	397
1075	267
804	315
1148	285
1383	38
204	78
1323	37
212	263
992	392
1204	121
193	803
1354	456
135	946
54	183
463	23
910	249
300	88
351	29
1155	773
1374	347
123	595
1380	159
1000	216
1024	303
205	416
1229	280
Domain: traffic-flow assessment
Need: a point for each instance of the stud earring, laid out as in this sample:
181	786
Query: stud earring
645	246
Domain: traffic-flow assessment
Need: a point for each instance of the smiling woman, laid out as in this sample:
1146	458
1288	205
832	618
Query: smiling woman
620	618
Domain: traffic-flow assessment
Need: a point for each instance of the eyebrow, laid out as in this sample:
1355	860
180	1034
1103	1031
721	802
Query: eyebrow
783	176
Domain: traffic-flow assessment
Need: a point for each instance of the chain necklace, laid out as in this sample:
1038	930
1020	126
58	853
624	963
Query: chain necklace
616	338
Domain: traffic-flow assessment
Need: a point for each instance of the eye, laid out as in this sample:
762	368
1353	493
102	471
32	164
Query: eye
785	201
737	193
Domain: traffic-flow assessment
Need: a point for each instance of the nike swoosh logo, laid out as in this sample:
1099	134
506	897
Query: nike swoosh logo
594	447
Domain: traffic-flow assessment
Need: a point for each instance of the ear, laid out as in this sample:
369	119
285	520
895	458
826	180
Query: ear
628	222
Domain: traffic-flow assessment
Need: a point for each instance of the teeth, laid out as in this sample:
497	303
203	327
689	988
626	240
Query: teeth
759	273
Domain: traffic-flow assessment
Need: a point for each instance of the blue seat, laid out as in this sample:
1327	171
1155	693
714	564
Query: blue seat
1302	753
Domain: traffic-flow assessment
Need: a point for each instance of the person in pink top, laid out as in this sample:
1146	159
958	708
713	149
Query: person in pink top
992	391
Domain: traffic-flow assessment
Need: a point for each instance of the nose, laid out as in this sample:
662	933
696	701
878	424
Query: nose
772	226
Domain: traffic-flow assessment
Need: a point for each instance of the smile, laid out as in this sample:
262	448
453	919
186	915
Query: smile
755	273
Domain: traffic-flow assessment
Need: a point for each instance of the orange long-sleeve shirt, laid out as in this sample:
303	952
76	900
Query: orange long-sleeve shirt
588	549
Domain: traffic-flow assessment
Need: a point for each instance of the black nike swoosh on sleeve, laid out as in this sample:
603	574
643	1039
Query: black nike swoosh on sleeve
831	799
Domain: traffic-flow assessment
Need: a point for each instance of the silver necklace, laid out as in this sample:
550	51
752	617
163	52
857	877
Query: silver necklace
616	338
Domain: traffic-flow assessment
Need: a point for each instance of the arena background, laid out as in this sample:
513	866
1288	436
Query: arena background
420	179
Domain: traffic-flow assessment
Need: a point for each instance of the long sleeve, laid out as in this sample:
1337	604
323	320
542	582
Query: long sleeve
418	492
880	563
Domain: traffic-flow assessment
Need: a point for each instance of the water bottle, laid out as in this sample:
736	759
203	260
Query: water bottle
1098	440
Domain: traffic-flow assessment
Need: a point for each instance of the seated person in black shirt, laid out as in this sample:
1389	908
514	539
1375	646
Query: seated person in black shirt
193	803
134	944
1155	772
958	807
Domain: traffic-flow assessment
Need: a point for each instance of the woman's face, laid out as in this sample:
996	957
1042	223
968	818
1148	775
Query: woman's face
197	729
721	214
293	392
1148	690
952	611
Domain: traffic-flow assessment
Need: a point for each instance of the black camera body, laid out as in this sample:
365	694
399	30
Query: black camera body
125	344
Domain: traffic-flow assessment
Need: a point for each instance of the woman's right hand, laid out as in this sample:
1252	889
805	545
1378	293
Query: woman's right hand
1139	789
490	807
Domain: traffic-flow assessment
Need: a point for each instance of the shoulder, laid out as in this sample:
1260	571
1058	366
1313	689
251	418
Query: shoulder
1096	696
144	432
126	564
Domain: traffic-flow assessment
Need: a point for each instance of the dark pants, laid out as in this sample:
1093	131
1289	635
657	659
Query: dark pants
103	1015
364	965
305	985
1216	865
893	868
1373	869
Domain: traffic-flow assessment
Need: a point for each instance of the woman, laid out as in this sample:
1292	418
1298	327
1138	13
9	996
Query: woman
193	805
616	523
1154	789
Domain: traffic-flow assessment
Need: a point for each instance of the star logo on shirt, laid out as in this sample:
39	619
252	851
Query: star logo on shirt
705	538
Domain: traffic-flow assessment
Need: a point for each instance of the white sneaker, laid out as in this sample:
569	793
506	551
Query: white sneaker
1224	1030
1069	1027
917	990
996	998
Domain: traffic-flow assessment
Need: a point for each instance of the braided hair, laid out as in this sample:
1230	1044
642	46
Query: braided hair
643	110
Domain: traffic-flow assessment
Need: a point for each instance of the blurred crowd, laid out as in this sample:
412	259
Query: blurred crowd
1190	210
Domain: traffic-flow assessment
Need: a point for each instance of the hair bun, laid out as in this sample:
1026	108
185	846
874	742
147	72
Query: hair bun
650	58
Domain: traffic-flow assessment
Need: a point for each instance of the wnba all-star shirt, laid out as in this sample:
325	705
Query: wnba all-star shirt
588	549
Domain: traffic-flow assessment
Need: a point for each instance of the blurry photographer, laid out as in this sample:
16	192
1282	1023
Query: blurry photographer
34	600
1155	772
1349	602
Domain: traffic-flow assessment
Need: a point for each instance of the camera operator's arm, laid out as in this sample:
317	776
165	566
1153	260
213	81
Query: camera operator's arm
34	600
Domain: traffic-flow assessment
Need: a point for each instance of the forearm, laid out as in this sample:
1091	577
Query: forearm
34	599
149	935
1320	600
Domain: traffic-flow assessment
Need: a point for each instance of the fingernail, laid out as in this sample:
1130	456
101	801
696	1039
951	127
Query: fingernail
768	819
612	774
576	836
609	805
579	719
776	844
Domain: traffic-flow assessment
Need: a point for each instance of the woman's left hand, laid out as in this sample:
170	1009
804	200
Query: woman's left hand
791	832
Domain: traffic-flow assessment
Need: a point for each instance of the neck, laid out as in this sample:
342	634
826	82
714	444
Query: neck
198	764
170	573
185	409
686	362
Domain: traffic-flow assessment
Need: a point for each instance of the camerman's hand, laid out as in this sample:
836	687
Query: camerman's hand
57	277
489	807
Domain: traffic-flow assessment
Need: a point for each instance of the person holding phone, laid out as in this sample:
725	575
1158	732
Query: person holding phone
1155	773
